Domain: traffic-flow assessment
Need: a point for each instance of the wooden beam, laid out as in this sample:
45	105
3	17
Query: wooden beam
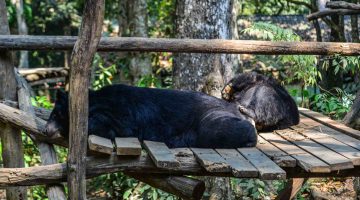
325	13
47	151
342	4
60	43
12	148
36	74
161	155
96	166
100	144
128	146
81	60
33	126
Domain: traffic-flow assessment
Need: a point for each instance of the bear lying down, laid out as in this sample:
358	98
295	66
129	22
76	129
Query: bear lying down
263	100
177	118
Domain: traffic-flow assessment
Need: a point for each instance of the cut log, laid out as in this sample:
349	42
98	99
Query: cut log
278	156
100	144
161	155
335	160
240	166
39	112
61	43
305	160
211	160
267	168
128	146
183	187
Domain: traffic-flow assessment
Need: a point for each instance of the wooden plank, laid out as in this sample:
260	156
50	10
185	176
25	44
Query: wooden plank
210	160
278	156
330	123
305	160
267	168
128	146
240	166
100	144
335	160
312	124
161	155
331	143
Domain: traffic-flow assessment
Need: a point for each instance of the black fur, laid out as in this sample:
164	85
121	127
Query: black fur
263	99
178	118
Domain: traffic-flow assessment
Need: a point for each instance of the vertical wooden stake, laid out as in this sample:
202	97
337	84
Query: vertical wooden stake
12	149
81	60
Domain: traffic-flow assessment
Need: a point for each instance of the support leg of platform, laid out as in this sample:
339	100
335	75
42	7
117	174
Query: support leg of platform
291	189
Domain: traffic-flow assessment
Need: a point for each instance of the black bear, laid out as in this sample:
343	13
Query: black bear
177	118
262	99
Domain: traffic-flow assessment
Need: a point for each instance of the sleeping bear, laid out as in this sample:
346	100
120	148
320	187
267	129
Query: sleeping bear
177	118
262	99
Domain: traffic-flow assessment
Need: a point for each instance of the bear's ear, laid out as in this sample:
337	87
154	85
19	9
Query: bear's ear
61	95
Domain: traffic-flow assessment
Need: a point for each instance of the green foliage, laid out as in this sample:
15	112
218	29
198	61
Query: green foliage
161	18
149	81
102	75
41	101
256	188
336	106
302	67
272	7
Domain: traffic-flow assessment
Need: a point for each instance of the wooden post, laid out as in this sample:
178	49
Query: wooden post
47	151
12	149
82	56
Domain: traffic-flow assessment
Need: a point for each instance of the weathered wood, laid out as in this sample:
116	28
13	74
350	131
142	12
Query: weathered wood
47	151
128	146
331	143
335	160
210	160
330	123
292	187
161	154
267	168
239	165
47	80
143	164
81	60
34	126
36	74
100	144
325	13
183	187
305	160
342	4
12	148
346	139
42	113
278	156
60	43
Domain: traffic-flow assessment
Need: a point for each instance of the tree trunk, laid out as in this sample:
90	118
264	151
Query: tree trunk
140	63
205	19
23	30
352	118
12	149
81	60
330	80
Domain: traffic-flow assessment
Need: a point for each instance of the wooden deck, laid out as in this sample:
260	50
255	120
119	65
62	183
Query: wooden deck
317	146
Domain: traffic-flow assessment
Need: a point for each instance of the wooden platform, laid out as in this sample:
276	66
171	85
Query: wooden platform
317	146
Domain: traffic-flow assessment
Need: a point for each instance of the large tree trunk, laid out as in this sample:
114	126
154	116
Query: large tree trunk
205	19
140	63
23	30
12	149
